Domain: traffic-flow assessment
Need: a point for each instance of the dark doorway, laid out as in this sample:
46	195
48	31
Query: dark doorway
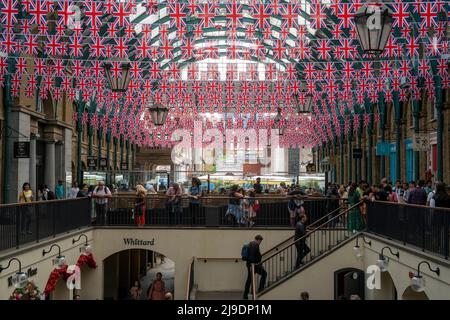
124	268
348	282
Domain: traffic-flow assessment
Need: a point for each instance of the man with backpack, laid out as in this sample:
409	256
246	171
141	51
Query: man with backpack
251	254
300	240
101	195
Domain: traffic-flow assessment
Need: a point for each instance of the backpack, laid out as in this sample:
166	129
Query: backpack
245	251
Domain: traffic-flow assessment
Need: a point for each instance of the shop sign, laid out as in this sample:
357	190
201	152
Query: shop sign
21	149
421	142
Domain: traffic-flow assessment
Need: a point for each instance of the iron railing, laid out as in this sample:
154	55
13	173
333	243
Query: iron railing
24	223
310	226
420	226
210	211
319	240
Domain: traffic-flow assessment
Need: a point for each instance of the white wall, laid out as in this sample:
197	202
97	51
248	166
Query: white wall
318	279
32	257
180	245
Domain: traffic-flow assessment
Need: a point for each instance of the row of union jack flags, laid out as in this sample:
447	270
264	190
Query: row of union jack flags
58	49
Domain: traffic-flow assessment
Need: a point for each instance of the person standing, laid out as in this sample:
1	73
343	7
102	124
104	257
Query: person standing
282	190
195	192
73	192
59	190
295	204
257	186
174	202
26	196
408	191
101	194
429	187
441	198
135	291
157	290
254	257
304	295
418	195
139	205
84	191
300	240
355	221
234	205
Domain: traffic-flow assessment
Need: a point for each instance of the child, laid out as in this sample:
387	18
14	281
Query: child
251	206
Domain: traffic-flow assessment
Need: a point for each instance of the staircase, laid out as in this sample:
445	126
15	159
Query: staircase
323	237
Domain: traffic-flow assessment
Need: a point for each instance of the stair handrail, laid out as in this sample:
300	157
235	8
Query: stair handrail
188	286
298	240
308	227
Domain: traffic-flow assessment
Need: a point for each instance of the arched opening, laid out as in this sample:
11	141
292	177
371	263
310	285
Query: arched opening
410	294
122	269
349	282
387	289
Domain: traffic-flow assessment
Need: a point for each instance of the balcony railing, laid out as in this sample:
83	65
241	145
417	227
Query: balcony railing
23	223
420	226
211	211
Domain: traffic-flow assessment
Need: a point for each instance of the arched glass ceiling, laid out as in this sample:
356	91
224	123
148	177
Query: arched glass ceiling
161	19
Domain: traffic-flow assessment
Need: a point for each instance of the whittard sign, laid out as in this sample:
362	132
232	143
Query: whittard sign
138	242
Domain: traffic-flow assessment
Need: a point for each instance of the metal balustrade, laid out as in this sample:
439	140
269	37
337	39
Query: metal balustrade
23	223
322	236
211	211
420	226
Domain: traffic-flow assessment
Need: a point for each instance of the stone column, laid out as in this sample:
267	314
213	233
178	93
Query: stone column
18	168
33	163
67	156
49	171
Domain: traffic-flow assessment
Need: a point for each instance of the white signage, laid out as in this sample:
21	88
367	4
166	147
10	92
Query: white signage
421	142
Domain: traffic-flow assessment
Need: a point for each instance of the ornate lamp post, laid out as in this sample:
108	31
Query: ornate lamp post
306	107
118	74
158	112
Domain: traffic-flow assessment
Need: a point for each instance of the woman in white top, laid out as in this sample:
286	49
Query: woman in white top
72	194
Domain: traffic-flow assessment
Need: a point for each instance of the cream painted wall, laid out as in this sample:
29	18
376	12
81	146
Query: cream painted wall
32	257
179	245
318	279
220	275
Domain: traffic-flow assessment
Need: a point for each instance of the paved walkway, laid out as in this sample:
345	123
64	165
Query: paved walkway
168	271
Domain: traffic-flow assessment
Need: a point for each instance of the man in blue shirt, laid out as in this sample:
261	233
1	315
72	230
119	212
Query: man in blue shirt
59	190
195	193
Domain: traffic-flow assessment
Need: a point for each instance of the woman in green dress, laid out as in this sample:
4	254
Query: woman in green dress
355	221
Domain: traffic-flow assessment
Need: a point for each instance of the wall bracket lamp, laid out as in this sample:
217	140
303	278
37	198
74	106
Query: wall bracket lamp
60	260
357	249
20	279
418	281
86	248
383	262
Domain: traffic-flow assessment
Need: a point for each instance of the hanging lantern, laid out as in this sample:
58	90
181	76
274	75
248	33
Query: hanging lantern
374	25
117	72
306	107
158	113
